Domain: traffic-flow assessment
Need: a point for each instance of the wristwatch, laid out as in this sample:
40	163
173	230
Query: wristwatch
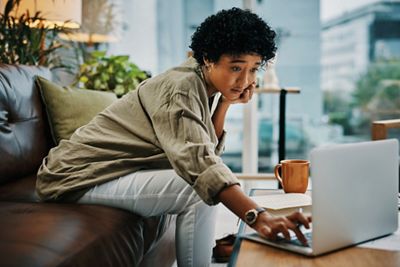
250	216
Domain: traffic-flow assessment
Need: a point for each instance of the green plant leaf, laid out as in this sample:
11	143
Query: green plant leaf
98	54
111	73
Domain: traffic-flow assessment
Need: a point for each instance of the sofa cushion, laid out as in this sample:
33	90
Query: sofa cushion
23	124
49	234
70	108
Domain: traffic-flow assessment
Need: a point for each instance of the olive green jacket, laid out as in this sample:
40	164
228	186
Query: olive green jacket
164	123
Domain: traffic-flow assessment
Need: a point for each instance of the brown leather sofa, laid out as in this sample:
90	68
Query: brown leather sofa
33	233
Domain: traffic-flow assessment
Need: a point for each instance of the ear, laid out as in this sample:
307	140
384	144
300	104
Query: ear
207	62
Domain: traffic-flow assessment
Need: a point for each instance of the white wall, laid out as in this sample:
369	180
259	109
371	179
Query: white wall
139	34
298	61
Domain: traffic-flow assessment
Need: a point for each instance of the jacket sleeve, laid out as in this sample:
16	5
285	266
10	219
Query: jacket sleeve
185	139
221	144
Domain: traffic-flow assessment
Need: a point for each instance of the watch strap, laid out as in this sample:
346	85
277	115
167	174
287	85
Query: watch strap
260	210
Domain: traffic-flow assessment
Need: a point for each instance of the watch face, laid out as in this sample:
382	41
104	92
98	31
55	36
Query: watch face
251	216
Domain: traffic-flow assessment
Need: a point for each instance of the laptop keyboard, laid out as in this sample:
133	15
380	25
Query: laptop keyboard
295	241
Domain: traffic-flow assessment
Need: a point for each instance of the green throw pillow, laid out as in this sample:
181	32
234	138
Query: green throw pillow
70	108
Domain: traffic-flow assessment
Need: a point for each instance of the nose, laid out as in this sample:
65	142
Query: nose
244	80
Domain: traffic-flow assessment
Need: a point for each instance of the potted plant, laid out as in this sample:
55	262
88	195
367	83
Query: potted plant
110	73
27	40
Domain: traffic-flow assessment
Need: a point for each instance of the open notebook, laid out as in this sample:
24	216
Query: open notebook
284	204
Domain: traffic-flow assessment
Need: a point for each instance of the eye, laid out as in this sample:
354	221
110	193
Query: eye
236	69
253	70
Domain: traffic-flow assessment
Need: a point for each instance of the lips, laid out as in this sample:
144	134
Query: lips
238	91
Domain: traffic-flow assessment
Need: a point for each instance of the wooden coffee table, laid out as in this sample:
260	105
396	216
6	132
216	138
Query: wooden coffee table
247	253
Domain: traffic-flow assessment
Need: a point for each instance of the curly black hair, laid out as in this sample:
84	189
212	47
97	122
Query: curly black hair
233	32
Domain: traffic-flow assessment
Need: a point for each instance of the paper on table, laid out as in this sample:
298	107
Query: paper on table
283	201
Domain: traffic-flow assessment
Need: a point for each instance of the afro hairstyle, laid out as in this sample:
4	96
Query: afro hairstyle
233	32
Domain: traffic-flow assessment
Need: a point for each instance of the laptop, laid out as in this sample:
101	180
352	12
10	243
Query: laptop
354	196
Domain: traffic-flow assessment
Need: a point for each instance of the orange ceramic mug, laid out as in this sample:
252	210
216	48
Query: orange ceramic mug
295	174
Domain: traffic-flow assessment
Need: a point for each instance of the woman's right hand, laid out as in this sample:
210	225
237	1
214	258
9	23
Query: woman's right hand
269	226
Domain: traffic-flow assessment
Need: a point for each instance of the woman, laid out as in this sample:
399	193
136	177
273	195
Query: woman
156	151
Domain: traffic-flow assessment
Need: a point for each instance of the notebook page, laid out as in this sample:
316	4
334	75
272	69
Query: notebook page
283	201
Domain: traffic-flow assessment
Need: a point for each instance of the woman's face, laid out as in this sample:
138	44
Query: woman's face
231	75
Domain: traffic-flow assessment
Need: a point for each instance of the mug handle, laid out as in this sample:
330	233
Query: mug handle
277	176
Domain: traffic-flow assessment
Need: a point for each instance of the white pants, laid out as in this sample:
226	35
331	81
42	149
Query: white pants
156	192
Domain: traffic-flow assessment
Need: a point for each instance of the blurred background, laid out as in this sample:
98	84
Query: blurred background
343	56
